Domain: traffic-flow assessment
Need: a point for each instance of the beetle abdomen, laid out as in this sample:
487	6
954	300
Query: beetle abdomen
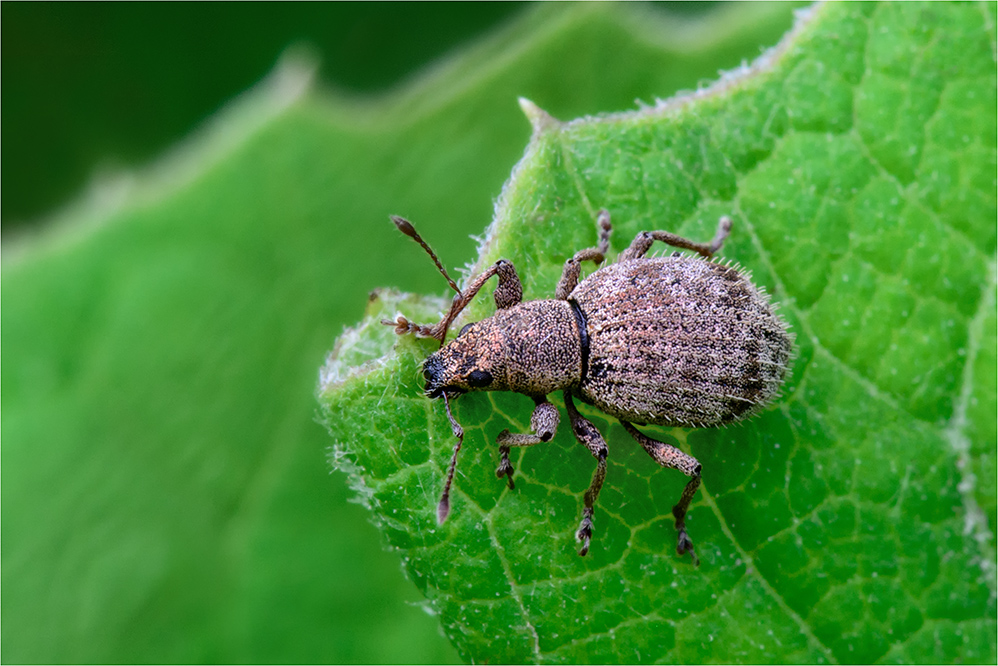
680	341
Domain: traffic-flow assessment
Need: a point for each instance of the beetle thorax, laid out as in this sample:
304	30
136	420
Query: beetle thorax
531	348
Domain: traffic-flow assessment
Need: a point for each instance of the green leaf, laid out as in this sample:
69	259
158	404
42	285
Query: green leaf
854	521
166	495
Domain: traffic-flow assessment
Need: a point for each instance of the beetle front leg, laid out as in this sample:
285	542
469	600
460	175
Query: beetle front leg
508	293
543	424
587	433
671	457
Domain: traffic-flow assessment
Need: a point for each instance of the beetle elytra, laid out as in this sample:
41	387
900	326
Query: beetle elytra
675	341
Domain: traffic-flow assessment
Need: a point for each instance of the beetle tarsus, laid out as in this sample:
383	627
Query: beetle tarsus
683	542
585	533
684	545
505	468
605	228
723	229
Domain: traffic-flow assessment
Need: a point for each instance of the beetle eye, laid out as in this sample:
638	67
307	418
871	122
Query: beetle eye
479	378
464	329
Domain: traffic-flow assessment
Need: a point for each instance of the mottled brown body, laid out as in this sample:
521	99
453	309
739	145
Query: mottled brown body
677	341
512	345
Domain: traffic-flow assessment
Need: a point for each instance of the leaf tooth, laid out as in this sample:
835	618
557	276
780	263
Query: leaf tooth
540	119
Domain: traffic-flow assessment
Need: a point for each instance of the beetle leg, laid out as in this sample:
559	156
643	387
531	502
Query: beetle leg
587	433
642	242
508	293
543	423
573	267
671	457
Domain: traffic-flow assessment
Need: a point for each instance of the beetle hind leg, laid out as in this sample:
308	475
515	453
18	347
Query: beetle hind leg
643	242
671	457
587	433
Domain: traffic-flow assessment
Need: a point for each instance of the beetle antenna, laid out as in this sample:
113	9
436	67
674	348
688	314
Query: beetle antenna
405	226
444	507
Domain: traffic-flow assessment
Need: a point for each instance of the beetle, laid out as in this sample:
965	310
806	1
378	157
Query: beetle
677	340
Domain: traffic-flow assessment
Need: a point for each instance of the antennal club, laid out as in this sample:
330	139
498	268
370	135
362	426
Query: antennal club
405	226
508	293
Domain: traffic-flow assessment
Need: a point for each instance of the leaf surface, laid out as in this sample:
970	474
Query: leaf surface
166	495
852	522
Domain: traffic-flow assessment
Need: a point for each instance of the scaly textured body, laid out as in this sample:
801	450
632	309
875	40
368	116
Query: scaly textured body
677	341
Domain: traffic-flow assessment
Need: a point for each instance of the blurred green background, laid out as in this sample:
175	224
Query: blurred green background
107	86
165	492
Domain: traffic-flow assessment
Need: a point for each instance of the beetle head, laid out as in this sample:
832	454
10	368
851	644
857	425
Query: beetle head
473	361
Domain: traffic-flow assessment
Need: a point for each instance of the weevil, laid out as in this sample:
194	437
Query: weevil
678	340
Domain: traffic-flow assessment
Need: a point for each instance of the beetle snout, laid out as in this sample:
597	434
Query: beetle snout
433	370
